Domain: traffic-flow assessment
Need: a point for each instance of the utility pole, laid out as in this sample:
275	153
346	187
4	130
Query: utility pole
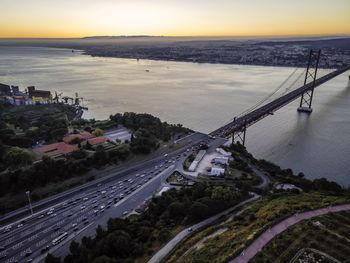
30	203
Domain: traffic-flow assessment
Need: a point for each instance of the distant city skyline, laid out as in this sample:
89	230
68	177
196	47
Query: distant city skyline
80	18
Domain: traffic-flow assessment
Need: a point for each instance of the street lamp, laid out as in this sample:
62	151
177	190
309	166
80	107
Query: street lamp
30	203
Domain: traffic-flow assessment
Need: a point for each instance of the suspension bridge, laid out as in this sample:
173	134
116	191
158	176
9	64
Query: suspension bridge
238	126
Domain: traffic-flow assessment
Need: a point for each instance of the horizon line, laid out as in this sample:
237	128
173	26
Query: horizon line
184	36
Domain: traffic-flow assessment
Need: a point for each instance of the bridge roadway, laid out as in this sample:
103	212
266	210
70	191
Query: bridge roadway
254	116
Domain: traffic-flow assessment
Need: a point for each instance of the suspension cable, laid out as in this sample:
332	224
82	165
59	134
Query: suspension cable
269	95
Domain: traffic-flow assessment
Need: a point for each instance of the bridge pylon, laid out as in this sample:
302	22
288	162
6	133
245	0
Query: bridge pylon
239	136
310	77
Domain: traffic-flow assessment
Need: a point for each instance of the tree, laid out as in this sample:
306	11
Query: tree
164	235
176	209
100	156
79	154
18	157
74	248
52	259
144	142
104	259
144	234
97	132
198	210
117	243
222	194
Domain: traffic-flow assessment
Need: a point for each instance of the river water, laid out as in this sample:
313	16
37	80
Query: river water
201	97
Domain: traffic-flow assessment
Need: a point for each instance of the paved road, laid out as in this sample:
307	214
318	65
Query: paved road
77	212
111	174
269	234
265	181
190	230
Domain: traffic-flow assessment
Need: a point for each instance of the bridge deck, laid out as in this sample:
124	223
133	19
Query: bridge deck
265	110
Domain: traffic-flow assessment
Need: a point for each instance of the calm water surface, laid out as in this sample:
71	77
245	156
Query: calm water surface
202	97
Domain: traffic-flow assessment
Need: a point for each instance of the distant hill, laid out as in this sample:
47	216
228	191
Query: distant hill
111	37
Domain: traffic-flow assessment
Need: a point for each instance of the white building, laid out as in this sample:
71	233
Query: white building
223	152
197	160
217	171
221	160
121	133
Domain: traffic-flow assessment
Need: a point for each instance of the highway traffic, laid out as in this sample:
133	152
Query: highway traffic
50	230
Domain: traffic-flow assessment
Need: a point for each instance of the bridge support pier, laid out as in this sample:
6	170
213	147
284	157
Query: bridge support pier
239	136
311	72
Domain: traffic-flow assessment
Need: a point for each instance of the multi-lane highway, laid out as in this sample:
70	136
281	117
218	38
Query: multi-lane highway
76	213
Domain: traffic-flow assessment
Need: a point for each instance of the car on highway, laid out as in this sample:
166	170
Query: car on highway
7	229
28	253
50	212
41	216
125	213
19	225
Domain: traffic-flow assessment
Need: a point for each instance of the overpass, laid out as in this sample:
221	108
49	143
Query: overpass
237	127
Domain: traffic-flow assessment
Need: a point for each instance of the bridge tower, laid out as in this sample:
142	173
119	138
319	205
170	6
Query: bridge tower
239	136
310	77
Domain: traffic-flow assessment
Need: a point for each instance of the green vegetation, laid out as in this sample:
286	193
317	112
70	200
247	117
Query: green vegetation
136	238
278	175
243	228
97	132
239	173
17	157
161	130
331	236
23	126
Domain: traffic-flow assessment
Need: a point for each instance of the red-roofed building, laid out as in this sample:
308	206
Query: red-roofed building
97	140
55	150
83	136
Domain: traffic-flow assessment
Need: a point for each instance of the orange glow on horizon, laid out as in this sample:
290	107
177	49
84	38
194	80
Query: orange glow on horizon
80	18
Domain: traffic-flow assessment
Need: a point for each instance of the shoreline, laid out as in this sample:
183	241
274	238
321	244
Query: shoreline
225	51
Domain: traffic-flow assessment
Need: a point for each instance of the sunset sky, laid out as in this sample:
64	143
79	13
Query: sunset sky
78	18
